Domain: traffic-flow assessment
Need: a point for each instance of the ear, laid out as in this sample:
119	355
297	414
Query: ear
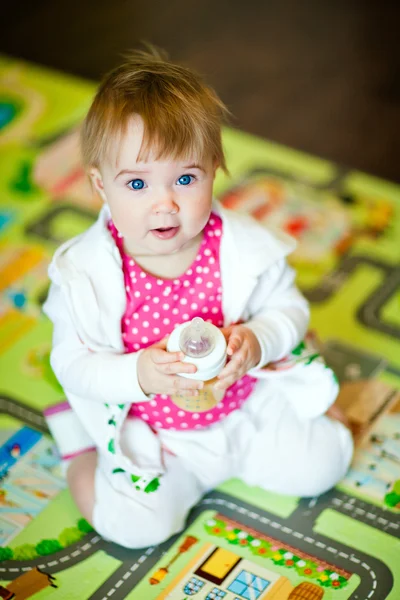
215	167
97	182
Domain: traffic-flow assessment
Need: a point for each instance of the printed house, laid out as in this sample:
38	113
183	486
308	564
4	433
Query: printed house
215	573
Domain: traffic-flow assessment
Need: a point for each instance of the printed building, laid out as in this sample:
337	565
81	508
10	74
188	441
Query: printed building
216	574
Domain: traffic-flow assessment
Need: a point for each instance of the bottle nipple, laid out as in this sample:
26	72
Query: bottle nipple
197	339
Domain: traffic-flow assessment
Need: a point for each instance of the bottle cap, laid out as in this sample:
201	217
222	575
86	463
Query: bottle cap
203	345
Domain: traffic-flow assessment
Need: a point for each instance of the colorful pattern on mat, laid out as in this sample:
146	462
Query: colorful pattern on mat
240	542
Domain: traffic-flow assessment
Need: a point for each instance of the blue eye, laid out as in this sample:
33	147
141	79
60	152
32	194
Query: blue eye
136	184
185	179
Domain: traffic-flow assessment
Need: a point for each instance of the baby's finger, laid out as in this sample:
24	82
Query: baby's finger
223	384
226	332
188	385
160	357
234	344
235	364
177	367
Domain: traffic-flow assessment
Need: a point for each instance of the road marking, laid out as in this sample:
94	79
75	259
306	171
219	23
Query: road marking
86	547
111	592
119	583
64	558
135	566
371	516
308	539
95	539
127	574
76	553
52	563
298	535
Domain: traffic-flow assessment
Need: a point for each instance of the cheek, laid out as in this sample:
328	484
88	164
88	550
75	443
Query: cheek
126	216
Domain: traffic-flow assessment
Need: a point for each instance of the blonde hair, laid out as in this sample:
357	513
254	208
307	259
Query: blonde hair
182	115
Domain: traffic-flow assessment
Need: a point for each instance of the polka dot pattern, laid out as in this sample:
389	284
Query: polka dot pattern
155	306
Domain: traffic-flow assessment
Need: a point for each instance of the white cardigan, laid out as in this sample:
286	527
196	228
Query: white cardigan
87	300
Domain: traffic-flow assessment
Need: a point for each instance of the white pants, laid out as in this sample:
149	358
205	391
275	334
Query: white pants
266	444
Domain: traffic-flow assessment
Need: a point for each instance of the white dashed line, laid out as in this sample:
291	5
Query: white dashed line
297	534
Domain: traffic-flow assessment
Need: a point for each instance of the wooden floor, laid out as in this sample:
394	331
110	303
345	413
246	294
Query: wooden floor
318	75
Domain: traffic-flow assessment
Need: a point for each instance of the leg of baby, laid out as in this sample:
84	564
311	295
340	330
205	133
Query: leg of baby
298	457
80	478
135	518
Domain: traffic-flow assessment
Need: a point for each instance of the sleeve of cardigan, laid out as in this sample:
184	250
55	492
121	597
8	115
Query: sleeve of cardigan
106	377
279	314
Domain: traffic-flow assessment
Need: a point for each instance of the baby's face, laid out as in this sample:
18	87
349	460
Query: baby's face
158	206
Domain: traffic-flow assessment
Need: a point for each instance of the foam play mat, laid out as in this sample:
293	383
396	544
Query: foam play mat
239	542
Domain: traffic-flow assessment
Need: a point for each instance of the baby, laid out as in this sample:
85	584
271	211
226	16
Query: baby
162	252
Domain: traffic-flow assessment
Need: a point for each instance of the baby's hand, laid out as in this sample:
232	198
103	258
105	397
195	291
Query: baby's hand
244	352
157	372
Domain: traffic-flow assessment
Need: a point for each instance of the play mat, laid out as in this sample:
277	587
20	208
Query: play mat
240	542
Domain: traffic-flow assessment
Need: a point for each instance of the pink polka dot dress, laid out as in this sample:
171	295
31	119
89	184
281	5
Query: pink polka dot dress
155	306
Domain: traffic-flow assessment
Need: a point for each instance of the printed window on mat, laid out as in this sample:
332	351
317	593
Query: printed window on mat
193	586
249	586
215	594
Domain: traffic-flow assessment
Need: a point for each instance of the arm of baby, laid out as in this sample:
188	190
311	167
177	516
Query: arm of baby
101	376
279	313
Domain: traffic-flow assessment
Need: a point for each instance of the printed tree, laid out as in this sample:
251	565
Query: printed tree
392	499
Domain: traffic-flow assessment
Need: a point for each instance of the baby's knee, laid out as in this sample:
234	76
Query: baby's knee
328	459
134	526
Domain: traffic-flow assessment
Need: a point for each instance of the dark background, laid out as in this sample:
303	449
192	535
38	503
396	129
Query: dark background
318	75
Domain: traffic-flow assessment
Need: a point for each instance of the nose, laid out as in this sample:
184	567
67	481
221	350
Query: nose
164	203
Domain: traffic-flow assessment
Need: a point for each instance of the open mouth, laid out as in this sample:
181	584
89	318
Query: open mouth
165	233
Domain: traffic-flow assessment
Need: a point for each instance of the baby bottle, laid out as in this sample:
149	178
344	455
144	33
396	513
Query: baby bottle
204	346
